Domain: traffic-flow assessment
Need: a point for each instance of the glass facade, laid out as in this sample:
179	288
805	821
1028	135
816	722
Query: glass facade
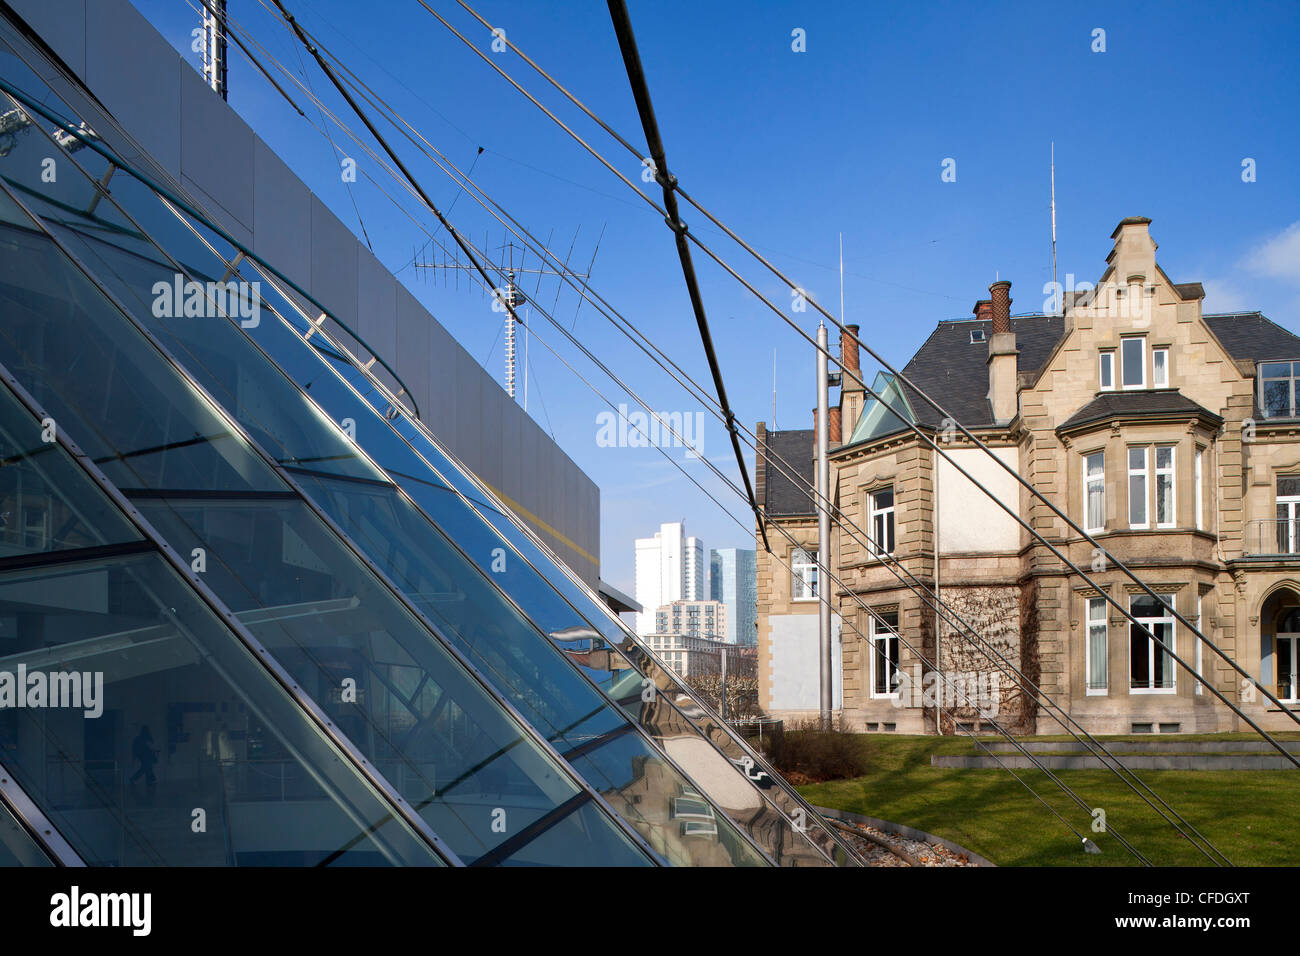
449	654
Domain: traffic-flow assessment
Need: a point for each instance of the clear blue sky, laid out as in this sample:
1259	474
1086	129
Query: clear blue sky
792	149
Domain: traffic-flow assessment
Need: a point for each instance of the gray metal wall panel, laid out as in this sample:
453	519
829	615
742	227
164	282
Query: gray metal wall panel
412	355
440	413
512	466
492	401
218	213
469	380
61	24
214	143
377	308
334	253
137	75
281	216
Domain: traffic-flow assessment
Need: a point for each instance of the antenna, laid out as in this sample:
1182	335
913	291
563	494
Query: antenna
773	389
841	278
510	295
1056	289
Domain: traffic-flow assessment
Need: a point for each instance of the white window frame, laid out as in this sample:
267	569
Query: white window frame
1132	473
1093	620
879	635
1088	481
803	587
1198	479
1142	362
1291	504
1171	474
1293	694
1106	369
1152	647
887	514
1158	380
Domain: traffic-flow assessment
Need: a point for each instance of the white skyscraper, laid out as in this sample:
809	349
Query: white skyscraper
669	567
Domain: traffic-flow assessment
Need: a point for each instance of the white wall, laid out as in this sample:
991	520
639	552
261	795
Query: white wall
796	672
968	519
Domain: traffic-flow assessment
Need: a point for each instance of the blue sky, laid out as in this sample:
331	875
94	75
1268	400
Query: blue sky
792	149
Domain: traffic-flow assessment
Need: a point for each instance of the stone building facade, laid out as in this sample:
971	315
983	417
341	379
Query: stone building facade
1169	435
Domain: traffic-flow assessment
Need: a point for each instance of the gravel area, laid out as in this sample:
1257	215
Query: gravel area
923	854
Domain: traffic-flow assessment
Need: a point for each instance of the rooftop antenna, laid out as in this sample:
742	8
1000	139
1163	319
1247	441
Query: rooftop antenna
512	296
214	45
773	389
841	278
1056	289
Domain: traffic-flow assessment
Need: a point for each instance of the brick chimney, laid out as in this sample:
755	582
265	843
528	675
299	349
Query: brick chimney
1002	355
833	431
852	395
983	309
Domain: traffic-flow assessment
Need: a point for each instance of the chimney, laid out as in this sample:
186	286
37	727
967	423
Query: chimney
814	411
1001	292
1002	361
833	432
849	351
983	310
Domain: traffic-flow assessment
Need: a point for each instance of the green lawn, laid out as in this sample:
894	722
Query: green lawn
1251	816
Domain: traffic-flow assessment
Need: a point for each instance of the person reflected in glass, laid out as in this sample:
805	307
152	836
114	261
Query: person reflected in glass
146	755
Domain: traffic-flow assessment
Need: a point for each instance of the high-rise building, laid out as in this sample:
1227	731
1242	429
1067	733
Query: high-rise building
669	567
693	618
733	580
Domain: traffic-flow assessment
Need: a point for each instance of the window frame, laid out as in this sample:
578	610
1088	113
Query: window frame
1088	481
1141	363
1261	379
1153	649
1198	485
1145	473
807	582
1170	473
1155	379
1106	369
890	513
1090	621
891	639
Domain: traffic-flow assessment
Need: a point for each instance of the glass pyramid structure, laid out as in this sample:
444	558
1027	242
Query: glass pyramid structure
314	636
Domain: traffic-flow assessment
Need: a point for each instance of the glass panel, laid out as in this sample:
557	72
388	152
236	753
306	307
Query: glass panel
1164	662
1277	398
1107	369
1282	656
1097	662
1133	368
1137	499
1144	606
1139	660
1160	367
151	681
411	708
17	848
1275	369
1164	498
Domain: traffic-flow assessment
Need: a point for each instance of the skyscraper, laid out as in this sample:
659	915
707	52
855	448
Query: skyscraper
669	567
733	574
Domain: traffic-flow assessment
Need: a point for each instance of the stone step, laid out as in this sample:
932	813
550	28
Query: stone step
1147	761
1166	745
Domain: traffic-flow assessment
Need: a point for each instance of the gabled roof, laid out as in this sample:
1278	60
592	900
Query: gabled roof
789	452
1251	336
1148	403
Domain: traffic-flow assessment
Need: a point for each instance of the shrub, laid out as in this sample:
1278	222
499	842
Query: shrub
806	750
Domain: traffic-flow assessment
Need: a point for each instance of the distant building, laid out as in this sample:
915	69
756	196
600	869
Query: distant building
689	657
693	618
733	580
669	567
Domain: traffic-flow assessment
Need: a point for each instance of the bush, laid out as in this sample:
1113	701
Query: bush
809	752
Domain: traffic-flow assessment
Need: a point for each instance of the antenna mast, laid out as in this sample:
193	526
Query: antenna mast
214	45
1056	289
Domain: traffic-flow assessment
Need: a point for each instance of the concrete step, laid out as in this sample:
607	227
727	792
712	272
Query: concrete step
1165	745
1140	761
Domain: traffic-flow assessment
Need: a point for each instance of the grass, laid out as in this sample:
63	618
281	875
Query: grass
1251	816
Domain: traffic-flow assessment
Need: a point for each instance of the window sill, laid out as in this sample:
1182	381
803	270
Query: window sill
1139	691
1105	692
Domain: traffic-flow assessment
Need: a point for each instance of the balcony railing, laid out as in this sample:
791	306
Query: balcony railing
1273	537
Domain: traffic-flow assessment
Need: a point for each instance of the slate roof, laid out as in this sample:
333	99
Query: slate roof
954	371
1249	335
782	496
1147	403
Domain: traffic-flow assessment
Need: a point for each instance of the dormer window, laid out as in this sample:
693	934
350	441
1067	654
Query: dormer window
977	335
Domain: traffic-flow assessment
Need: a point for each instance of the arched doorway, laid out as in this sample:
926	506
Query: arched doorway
1279	644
